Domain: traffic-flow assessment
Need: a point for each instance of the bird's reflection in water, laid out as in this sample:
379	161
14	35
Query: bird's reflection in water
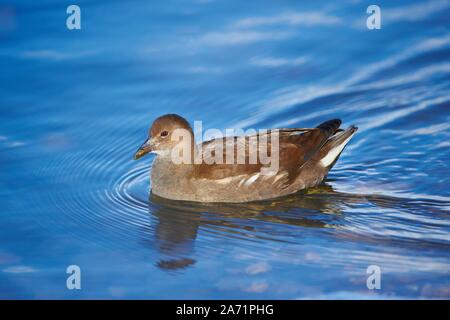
178	222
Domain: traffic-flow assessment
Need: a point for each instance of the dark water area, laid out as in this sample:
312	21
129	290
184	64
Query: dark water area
76	104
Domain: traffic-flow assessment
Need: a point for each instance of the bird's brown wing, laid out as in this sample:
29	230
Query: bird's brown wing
296	147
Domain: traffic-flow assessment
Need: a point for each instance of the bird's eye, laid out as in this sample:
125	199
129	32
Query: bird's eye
164	133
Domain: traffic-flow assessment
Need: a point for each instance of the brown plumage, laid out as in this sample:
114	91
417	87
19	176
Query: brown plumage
305	157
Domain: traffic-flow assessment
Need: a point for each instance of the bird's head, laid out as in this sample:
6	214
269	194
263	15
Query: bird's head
166	134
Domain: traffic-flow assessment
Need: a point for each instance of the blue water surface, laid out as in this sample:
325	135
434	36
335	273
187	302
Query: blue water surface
76	104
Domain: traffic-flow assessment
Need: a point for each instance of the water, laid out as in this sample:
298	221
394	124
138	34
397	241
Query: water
75	105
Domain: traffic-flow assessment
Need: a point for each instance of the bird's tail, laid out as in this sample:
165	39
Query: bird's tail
330	126
332	149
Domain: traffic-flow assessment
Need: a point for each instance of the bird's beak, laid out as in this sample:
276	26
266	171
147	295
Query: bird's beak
144	149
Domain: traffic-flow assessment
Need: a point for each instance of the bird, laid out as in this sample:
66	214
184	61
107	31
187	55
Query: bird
224	169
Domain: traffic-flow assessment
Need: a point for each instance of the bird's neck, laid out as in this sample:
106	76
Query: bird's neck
176	164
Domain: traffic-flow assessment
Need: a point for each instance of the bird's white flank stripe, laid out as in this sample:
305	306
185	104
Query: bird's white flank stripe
251	179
